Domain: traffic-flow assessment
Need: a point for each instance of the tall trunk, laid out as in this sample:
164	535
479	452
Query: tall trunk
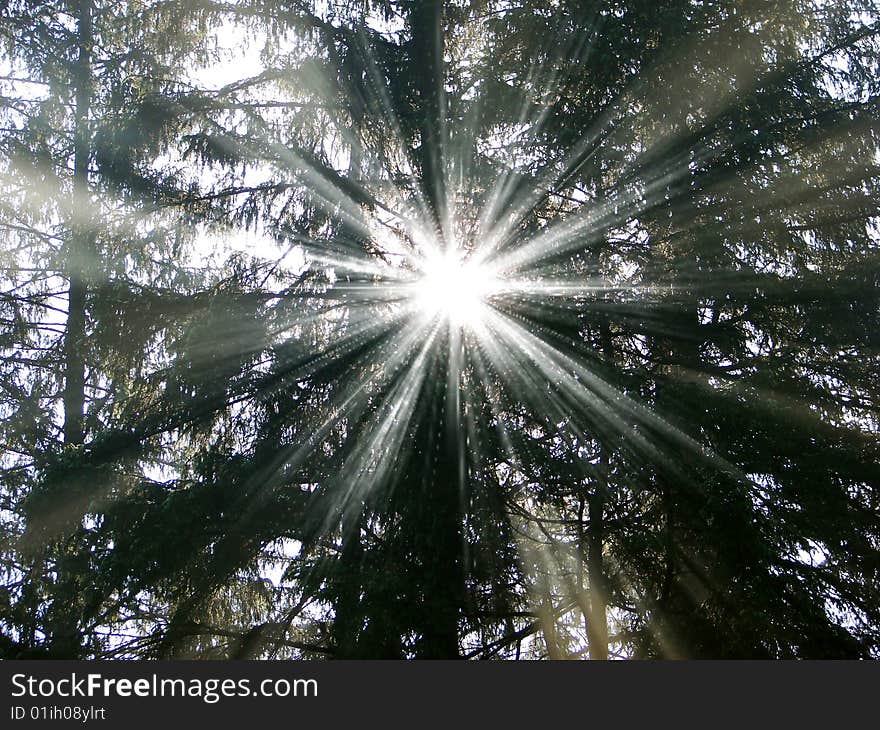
62	622
349	615
79	245
427	59
440	636
348	609
677	355
597	624
446	554
597	620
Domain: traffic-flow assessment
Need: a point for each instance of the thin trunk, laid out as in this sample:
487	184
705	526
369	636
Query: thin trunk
79	245
349	614
597	621
62	621
547	617
597	624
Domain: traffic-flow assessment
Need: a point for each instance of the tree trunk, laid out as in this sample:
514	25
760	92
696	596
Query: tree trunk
427	59
61	621
446	556
79	245
440	636
597	620
597	623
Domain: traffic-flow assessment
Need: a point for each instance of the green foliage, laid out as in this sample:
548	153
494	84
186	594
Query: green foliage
683	465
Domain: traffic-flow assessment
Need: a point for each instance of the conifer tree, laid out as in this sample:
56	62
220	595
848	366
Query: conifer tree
652	433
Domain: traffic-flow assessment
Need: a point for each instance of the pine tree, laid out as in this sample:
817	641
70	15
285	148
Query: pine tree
658	439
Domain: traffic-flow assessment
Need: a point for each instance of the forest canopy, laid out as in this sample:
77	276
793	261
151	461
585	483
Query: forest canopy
422	329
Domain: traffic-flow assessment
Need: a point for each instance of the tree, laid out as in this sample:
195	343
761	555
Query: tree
648	427
92	282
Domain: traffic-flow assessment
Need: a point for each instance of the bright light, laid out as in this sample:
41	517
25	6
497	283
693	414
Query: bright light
454	288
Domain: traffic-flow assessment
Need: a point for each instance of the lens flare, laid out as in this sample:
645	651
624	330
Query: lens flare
455	289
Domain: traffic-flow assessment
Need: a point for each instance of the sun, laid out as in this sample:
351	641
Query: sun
454	288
